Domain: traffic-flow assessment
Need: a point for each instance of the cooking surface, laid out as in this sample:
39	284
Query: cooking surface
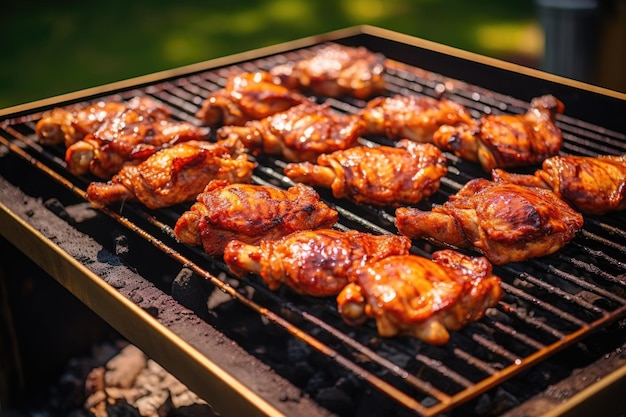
549	304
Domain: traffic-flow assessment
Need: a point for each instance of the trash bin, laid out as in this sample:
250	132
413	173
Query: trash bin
571	36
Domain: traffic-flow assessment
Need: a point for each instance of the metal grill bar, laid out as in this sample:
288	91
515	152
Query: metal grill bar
538	315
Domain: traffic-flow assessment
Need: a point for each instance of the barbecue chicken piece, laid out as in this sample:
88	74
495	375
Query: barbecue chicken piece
69	125
503	221
247	96
501	141
127	137
412	117
174	175
414	296
383	175
336	70
250	213
312	262
300	133
592	185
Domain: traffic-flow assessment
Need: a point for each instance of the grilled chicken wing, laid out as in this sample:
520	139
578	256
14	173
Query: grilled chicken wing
69	125
247	96
412	117
414	296
127	137
592	185
312	262
382	175
174	175
336	70
503	221
500	141
300	133
250	213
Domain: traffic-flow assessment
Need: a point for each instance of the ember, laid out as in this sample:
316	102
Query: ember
121	381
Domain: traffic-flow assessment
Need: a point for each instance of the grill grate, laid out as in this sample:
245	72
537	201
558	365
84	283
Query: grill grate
549	303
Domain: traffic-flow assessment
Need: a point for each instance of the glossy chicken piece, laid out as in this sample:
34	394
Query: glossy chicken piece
409	295
592	185
383	175
501	141
250	213
247	96
503	221
174	175
127	137
412	117
312	262
334	71
69	125
300	133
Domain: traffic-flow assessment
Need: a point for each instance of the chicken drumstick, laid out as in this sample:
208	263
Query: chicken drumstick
382	175
312	262
127	137
250	213
592	185
414	296
336	70
247	96
500	141
300	133
69	125
503	221
174	175
412	117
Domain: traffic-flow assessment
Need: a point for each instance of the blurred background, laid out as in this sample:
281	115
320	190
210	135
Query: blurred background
50	48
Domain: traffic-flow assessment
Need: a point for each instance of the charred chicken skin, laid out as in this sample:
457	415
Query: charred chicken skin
300	133
501	141
247	96
383	175
127	137
250	213
592	185
504	221
174	175
412	117
409	295
334	71
69	125
312	262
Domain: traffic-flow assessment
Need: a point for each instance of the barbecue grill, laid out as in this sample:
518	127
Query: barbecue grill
242	347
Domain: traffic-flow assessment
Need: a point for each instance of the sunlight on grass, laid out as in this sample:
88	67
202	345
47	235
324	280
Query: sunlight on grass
290	11
374	11
179	49
364	9
243	22
526	39
159	35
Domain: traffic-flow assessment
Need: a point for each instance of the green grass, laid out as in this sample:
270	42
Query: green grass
50	48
